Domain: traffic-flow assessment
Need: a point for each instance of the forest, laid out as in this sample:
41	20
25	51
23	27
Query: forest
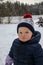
18	9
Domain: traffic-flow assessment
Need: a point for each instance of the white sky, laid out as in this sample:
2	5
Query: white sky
26	1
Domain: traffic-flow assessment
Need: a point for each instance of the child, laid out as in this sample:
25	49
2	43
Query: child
26	49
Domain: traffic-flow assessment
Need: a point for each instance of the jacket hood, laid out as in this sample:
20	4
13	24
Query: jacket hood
36	38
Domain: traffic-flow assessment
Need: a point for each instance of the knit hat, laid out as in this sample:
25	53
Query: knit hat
26	22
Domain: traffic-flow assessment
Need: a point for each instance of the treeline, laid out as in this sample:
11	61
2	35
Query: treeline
18	9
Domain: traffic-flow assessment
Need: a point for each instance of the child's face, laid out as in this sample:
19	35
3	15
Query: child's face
24	34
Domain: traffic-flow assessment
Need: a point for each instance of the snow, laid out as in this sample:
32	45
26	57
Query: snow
7	35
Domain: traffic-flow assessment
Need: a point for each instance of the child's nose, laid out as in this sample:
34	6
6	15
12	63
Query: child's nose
23	34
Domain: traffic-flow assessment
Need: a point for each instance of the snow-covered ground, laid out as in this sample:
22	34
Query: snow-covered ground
7	35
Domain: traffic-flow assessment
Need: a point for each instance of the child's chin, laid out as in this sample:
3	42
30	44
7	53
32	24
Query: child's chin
24	40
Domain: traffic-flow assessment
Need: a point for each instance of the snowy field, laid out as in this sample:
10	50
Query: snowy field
7	35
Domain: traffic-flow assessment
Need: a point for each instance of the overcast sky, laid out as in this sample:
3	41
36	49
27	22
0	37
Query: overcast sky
27	1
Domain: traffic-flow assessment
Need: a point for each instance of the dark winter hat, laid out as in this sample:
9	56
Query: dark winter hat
26	22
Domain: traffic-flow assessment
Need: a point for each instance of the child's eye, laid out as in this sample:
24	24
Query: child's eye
20	32
26	32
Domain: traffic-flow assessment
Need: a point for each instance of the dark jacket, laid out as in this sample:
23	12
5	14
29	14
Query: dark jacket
28	53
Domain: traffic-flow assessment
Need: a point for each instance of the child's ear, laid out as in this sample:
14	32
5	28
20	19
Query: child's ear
32	36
